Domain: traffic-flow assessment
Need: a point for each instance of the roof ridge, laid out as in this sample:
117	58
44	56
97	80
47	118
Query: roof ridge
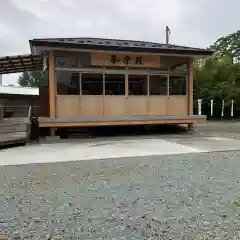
113	39
99	38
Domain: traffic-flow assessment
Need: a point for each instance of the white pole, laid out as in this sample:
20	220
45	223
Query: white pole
199	106
232	108
44	62
211	108
222	108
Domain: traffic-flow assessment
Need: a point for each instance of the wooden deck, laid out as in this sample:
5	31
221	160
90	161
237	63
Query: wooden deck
119	121
13	131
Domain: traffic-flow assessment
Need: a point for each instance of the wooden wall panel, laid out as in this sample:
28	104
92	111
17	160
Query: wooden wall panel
91	106
136	105
41	105
114	106
177	106
157	105
97	106
68	106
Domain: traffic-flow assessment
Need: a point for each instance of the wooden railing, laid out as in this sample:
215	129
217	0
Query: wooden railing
15	130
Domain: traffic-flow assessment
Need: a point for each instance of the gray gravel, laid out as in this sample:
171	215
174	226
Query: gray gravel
194	196
220	129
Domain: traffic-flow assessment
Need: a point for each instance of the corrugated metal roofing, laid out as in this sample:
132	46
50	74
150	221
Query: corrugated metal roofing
116	43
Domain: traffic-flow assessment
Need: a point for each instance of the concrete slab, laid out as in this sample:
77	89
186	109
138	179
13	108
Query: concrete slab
63	150
73	151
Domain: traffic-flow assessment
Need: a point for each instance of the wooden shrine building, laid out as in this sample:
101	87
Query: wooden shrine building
97	82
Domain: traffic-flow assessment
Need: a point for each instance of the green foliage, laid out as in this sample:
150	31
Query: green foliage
33	79
229	45
218	76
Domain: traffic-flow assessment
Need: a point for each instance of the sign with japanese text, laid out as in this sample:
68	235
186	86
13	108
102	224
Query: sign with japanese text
125	60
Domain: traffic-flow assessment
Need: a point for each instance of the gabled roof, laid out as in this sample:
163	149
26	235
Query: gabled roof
117	45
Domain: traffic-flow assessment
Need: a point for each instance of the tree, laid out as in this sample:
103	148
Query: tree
218	76
229	45
33	79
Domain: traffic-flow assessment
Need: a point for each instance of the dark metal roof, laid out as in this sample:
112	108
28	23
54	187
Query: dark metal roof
20	63
118	45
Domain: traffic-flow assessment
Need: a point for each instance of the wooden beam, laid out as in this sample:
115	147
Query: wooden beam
52	84
119	123
190	86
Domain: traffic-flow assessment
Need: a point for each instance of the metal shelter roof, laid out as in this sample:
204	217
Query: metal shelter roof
20	63
105	44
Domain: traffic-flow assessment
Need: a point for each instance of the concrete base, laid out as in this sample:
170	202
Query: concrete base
52	138
52	132
190	127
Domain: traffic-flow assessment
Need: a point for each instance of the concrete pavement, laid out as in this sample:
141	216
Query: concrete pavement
118	147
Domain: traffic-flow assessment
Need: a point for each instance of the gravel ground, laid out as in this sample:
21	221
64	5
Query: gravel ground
194	196
220	129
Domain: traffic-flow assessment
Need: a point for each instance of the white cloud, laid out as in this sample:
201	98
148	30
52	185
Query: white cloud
195	23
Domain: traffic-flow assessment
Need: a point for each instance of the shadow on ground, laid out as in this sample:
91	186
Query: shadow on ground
113	131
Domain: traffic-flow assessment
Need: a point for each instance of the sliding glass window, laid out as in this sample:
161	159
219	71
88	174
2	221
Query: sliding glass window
177	85
114	84
67	82
92	83
157	85
137	84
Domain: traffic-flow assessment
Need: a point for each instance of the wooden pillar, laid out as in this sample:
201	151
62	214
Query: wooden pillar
126	84
1	110
148	84
52	87
52	92
104	94
190	86
168	85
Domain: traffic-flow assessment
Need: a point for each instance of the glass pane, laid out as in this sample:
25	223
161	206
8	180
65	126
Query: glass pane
177	85
157	85
115	84
92	84
67	83
137	85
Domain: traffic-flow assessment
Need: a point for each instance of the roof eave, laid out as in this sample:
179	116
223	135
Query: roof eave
200	52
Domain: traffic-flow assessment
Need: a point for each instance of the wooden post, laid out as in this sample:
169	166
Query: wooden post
1	109
148	84
126	85
52	92
190	86
190	91
52	96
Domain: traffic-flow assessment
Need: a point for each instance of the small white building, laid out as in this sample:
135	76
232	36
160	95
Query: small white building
15	100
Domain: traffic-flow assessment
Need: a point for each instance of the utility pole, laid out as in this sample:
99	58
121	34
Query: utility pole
167	34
